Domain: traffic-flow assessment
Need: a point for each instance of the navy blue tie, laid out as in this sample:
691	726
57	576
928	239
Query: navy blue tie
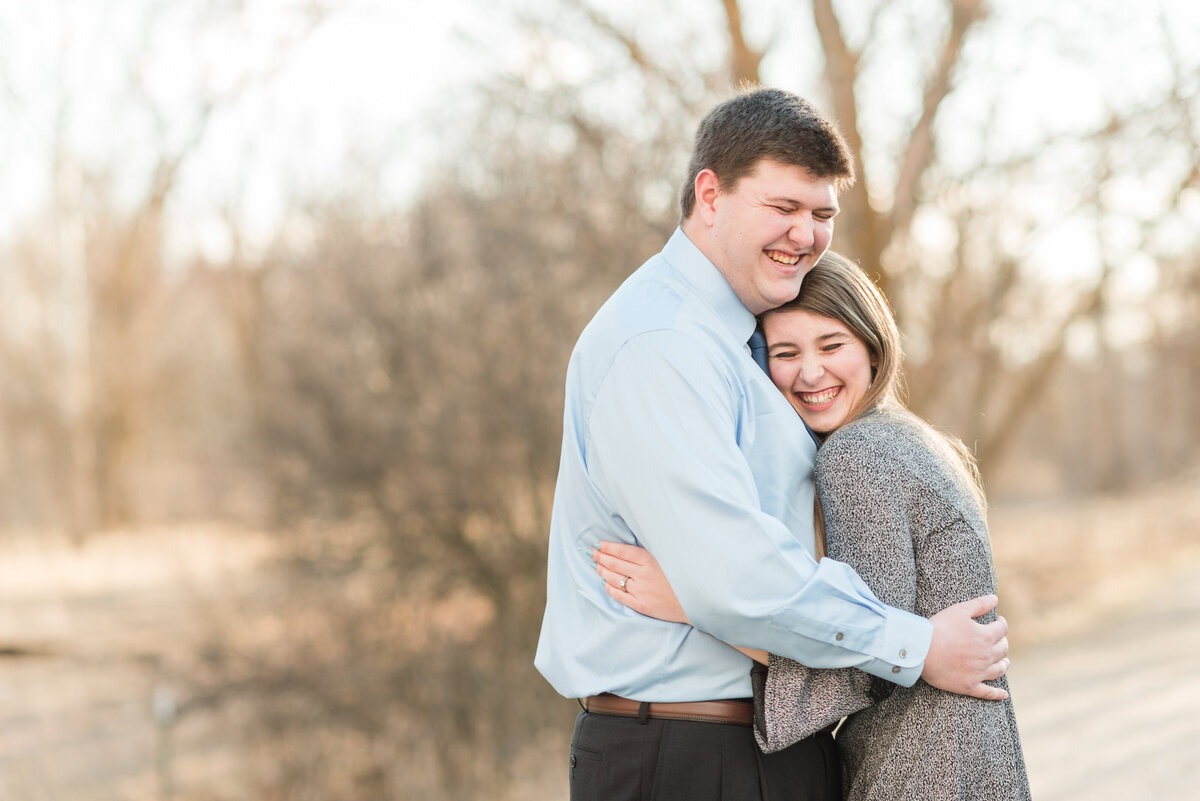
758	349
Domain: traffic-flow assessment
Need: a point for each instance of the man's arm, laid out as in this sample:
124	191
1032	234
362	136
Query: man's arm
962	657
663	449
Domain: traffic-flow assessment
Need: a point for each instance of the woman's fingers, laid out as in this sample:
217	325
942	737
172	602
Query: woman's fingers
618	576
624	552
617	564
626	599
612	585
611	577
612	563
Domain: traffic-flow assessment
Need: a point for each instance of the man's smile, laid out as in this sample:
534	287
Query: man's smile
782	258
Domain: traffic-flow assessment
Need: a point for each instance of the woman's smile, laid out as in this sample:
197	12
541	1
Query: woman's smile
818	401
818	364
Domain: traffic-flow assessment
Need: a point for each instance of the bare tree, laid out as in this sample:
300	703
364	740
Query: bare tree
400	369
410	391
101	253
955	304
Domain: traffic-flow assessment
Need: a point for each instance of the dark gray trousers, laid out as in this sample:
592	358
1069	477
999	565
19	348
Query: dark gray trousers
616	758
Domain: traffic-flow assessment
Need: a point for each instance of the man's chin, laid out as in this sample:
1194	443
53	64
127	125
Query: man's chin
784	295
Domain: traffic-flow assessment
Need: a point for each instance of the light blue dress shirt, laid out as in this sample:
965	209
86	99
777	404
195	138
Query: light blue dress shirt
675	440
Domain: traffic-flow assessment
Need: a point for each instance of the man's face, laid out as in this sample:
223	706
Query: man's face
767	231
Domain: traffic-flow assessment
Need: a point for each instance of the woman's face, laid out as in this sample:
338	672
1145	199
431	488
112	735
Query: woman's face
819	366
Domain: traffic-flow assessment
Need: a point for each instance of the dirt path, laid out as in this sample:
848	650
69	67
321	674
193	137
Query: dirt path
1113	713
86	636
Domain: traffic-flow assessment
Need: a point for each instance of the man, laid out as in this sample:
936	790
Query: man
676	440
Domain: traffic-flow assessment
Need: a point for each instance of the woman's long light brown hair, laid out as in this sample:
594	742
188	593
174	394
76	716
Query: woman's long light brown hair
838	288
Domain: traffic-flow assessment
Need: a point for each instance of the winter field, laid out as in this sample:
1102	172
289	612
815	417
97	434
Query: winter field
1103	597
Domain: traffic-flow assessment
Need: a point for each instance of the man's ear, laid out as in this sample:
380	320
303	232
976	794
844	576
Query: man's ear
708	190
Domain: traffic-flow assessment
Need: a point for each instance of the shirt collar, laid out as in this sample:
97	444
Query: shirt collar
709	284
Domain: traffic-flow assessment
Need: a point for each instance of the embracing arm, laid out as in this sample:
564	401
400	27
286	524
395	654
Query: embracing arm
667	456
871	525
793	701
647	591
644	587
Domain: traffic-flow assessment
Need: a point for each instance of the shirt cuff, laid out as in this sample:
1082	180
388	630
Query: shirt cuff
905	644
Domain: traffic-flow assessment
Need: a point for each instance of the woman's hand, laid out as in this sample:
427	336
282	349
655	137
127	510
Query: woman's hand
633	578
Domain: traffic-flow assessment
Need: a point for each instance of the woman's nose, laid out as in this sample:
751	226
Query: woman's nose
810	370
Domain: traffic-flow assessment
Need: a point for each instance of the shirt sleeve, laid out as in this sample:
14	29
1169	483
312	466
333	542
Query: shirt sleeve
867	525
663	448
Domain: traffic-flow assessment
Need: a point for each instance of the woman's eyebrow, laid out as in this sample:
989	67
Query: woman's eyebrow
820	338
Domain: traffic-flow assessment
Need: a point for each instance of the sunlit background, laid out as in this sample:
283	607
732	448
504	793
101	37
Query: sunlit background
287	291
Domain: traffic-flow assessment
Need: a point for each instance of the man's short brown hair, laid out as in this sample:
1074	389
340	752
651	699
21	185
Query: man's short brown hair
762	124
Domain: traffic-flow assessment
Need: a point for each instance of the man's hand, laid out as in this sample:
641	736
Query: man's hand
964	654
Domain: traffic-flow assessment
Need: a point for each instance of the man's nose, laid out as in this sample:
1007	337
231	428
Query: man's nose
801	234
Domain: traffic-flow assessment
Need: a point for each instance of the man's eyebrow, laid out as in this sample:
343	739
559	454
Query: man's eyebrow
781	199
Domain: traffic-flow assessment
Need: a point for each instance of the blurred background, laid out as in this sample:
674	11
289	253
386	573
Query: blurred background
287	292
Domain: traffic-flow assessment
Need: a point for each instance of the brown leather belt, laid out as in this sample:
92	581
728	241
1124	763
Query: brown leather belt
738	711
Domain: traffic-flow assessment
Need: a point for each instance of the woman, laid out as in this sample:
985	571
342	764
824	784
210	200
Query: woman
902	505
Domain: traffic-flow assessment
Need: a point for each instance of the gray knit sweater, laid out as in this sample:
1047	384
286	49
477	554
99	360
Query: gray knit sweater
898	513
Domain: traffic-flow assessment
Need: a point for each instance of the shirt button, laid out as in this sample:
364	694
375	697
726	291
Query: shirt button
896	669
840	637
903	654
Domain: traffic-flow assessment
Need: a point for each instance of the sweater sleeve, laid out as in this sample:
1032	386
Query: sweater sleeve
792	701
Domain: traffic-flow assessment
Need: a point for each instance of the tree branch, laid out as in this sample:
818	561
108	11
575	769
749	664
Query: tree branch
637	55
919	153
1030	383
743	60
